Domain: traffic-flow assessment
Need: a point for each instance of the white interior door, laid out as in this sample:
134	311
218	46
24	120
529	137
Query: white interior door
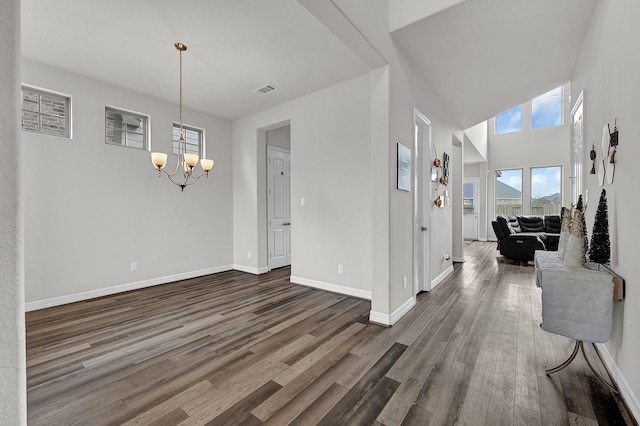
279	206
422	204
470	208
577	156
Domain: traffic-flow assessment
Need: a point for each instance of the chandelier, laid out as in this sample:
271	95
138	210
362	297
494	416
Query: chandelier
186	160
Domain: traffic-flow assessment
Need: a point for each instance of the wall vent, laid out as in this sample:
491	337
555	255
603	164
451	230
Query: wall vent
267	88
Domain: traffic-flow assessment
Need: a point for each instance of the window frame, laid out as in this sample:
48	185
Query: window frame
561	87
146	126
188	128
531	199
521	191
42	91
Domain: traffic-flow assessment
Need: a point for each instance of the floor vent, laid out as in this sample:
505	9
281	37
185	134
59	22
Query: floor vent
267	88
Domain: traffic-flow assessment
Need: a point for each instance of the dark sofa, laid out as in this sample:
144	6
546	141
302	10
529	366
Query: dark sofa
520	236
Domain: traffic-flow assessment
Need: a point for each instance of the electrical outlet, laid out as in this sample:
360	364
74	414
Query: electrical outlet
404	282
340	269
249	254
134	266
302	202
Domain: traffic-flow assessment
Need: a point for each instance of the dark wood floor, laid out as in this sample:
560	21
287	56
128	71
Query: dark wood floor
234	348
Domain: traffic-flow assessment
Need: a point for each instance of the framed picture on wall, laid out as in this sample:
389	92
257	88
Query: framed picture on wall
404	168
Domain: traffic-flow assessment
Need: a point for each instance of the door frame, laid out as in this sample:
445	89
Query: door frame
421	203
476	202
271	148
577	158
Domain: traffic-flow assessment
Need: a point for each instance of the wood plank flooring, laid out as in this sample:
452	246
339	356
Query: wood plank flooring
234	348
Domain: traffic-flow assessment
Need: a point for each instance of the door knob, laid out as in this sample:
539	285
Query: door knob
423	228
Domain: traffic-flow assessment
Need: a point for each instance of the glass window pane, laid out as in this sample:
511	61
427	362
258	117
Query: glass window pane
126	129
546	190
509	192
193	139
546	110
509	120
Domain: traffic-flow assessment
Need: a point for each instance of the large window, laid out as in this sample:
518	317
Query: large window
509	120
509	192
46	112
193	137
126	128
546	190
546	110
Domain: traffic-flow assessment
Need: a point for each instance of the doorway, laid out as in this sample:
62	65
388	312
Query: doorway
279	206
470	208
422	203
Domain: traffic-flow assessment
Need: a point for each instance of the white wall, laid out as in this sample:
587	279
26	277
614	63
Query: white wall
523	150
477	136
407	90
279	137
330	169
91	209
607	70
13	393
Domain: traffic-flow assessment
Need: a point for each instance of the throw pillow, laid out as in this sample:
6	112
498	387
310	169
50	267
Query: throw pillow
574	251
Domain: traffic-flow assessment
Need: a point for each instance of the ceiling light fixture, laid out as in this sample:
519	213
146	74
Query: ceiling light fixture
186	161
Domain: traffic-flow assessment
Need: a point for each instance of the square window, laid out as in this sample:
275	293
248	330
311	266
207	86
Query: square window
194	139
46	112
509	120
546	110
126	128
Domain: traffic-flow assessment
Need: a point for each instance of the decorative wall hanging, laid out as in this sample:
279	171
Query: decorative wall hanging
592	155
613	145
604	146
404	168
445	169
436	160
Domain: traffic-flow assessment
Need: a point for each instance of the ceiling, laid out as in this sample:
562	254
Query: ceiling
485	56
234	47
481	57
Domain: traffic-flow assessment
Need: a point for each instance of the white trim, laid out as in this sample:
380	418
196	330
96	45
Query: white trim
251	269
458	259
483	239
107	291
626	391
493	240
389	320
437	280
334	288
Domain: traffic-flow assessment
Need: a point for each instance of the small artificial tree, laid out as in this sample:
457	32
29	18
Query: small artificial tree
600	250
581	207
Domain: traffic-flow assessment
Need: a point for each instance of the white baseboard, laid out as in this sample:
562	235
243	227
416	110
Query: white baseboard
458	259
386	319
251	269
107	291
482	239
334	288
437	280
628	394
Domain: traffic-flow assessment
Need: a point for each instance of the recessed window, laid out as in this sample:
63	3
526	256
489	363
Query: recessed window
546	110
509	192
126	128
509	120
546	190
46	112
193	136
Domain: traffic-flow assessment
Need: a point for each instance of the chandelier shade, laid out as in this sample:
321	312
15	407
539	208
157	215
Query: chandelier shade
183	175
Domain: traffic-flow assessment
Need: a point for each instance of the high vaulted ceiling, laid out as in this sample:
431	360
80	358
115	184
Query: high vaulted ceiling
481	56
485	56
